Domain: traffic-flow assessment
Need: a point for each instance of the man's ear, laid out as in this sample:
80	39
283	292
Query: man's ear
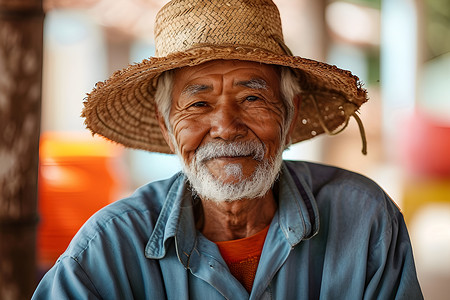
296	101
164	130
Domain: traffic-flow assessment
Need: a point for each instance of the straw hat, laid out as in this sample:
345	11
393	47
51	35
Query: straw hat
191	32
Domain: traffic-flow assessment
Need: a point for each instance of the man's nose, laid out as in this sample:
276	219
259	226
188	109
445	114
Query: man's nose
227	123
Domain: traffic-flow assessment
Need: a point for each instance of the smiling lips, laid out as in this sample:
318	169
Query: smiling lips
232	158
231	151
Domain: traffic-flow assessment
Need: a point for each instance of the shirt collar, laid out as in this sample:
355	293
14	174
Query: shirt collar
297	214
168	221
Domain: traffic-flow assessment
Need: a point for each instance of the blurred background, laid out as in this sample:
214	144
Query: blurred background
400	49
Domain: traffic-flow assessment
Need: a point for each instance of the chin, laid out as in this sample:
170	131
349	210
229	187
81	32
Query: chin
256	185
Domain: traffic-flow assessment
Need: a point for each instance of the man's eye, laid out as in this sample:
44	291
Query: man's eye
252	98
199	104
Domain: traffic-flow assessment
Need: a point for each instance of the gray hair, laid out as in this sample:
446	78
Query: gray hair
289	88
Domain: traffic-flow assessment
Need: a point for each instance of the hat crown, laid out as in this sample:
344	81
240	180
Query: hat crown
186	24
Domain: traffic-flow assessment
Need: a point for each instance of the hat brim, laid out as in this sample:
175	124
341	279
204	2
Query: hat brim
122	108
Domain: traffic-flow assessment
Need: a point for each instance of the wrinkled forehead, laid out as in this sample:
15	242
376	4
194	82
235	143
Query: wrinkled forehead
235	71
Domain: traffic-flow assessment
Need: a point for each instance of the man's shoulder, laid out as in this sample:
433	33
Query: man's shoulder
132	218
340	188
147	199
319	176
345	196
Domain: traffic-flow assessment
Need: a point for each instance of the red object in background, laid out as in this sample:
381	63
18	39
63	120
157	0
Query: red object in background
77	177
426	146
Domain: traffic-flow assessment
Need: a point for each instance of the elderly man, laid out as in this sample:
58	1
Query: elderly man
225	94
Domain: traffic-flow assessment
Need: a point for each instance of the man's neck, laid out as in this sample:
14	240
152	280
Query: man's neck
226	221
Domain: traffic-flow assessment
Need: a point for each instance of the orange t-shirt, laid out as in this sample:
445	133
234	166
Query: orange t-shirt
242	256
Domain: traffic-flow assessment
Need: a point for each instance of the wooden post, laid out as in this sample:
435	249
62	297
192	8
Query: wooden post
21	32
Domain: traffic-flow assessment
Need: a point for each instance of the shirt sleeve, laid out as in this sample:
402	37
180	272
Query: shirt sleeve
66	280
391	269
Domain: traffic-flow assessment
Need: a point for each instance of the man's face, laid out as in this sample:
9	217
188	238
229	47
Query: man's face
228	102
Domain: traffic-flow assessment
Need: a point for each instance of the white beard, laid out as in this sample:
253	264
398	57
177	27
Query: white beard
207	186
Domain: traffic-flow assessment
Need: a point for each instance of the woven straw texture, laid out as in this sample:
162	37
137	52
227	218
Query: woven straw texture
191	32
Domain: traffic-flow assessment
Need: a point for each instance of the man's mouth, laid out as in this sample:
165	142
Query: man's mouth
230	152
230	158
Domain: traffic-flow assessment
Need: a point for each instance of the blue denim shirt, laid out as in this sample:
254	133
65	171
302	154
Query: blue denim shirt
147	246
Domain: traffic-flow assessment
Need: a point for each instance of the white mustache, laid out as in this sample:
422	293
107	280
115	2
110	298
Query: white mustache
220	149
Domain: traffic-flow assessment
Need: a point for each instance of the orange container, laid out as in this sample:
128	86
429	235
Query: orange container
78	175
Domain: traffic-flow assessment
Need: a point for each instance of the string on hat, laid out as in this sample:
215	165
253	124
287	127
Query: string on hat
362	132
